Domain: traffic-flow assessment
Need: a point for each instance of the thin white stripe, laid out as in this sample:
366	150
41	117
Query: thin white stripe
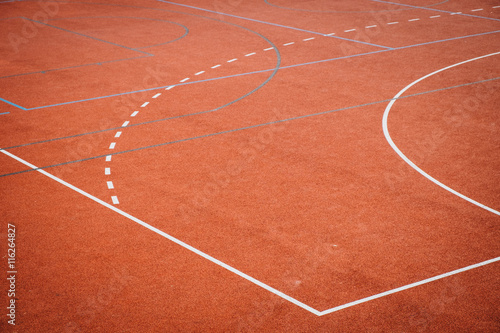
169	237
110	185
115	200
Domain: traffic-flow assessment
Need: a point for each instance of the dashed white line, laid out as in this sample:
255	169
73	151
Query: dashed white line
144	105
456	13
496	6
117	135
476	10
250	54
415	19
157	95
134	114
331	34
108	158
269	48
305	40
125	124
184	80
349	30
107	171
200	72
215	66
393	23
435	16
168	88
232	60
115	200
110	185
288	43
370	26
112	145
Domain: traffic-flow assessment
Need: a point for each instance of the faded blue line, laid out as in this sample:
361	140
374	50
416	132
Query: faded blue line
86	36
4	113
234	129
248	73
343	11
435	10
72	67
186	30
13	104
277	25
448	39
199	81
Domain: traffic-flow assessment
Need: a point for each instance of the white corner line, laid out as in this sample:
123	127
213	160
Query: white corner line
406	159
408	286
169	237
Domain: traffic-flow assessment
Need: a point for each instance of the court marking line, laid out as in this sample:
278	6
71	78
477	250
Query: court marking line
406	159
165	235
232	269
409	286
435	10
238	129
250	73
90	37
492	260
273	24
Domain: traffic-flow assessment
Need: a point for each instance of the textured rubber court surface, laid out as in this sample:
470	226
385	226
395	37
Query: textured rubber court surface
250	166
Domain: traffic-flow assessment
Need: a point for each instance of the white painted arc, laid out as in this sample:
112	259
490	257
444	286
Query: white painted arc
406	159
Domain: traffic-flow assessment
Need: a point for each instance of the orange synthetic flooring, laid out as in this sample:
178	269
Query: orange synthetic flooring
250	166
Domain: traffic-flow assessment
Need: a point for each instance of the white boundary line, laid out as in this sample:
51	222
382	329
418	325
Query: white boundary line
234	270
408	286
265	286
169	237
406	159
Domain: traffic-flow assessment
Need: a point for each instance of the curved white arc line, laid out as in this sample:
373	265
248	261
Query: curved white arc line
406	159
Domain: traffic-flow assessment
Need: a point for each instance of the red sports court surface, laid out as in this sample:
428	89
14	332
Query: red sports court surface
250	166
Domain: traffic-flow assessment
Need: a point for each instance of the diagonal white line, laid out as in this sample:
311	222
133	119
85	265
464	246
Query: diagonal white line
408	286
169	237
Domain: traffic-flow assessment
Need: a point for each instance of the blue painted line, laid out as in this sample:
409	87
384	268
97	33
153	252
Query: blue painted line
230	130
4	113
199	81
276	25
248	73
90	37
13	104
342	11
72	67
435	10
448	39
186	30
